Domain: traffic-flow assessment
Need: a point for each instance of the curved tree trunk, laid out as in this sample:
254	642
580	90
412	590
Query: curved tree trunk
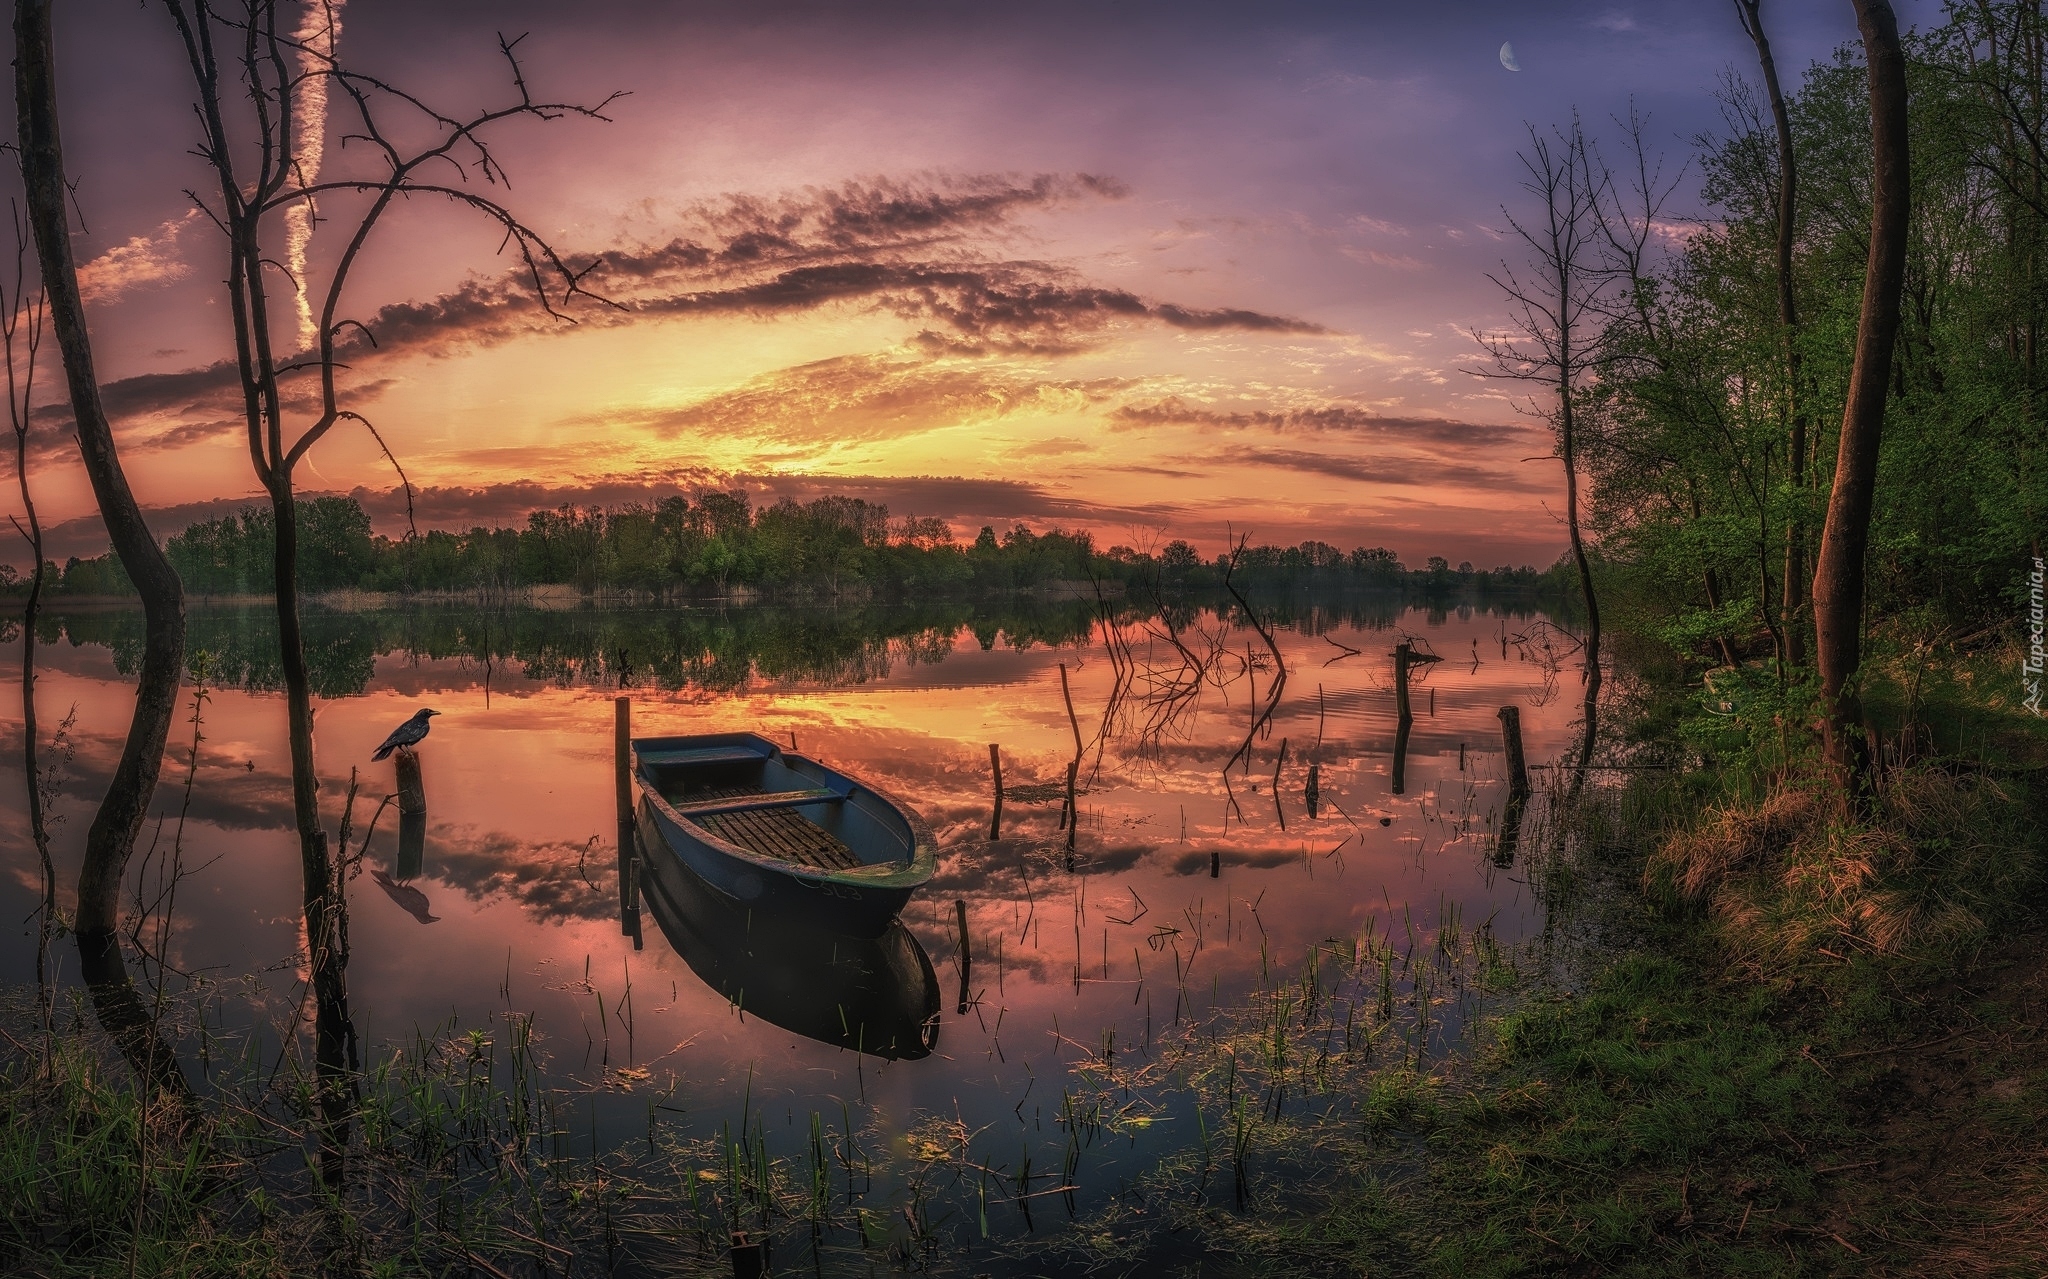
118	821
1568	450
1838	580
322	897
19	398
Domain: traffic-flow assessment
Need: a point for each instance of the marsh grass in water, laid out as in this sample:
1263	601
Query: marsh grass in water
469	1153
467	1159
1732	1079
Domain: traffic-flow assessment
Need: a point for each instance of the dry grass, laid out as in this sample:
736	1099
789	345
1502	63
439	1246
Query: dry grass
1946	854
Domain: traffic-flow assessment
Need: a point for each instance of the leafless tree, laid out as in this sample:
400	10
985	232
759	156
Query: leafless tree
1838	579
21	337
247	59
111	838
1749	12
1558	308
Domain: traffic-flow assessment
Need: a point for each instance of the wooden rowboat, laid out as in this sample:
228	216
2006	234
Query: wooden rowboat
771	829
875	995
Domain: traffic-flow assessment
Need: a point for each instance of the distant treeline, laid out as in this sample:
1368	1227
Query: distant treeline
833	546
710	647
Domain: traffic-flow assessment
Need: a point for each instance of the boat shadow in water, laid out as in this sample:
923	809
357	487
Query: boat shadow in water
877	995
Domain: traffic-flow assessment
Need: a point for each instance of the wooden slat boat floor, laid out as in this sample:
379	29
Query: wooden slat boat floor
773	832
766	799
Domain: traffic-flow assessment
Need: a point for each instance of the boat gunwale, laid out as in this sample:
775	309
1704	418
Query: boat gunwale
912	873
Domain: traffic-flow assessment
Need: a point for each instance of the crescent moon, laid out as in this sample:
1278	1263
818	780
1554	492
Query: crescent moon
1507	57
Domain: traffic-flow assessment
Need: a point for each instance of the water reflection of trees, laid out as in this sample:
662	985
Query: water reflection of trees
674	649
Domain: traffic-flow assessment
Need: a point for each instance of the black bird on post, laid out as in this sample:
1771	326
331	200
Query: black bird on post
410	733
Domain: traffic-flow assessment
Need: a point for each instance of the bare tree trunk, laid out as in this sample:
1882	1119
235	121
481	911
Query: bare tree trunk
1567	449
1566	291
262	170
23	344
1838	580
1788	321
118	821
31	766
321	891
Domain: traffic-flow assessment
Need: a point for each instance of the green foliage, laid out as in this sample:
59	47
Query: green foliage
833	546
1696	487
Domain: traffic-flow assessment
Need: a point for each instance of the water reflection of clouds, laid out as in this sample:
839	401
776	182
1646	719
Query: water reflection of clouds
518	789
556	879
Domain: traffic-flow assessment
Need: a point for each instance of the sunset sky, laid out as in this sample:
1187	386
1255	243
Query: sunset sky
1147	269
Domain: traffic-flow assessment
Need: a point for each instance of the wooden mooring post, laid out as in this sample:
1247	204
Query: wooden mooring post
1511	738
412	816
622	786
1510	831
749	1256
622	757
412	787
1403	654
1073	813
1401	732
966	954
995	817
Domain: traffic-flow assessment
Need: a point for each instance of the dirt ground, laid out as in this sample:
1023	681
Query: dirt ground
1953	1176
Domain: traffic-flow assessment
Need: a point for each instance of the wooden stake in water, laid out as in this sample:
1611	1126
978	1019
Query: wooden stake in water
1402	655
412	847
995	820
622	757
1510	831
412	788
1404	715
412	817
1511	737
622	785
749	1258
966	955
1073	813
1314	793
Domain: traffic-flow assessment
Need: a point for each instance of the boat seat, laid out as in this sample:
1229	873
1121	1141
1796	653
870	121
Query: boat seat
700	755
750	803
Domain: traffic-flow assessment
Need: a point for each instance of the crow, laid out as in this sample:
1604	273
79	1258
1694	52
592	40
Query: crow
410	733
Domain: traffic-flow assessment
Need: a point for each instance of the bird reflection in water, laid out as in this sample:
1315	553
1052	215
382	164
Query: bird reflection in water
409	899
876	995
410	863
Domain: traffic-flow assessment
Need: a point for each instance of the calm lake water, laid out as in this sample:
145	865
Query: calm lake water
1076	957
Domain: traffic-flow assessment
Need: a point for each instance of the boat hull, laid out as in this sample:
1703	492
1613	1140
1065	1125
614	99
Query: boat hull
887	851
875	995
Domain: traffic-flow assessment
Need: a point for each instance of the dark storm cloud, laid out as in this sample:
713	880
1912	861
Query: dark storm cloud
895	247
1347	419
1008	305
867	397
863	217
1426	472
205	403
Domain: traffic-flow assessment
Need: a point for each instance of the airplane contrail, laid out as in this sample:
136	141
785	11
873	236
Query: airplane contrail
319	30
